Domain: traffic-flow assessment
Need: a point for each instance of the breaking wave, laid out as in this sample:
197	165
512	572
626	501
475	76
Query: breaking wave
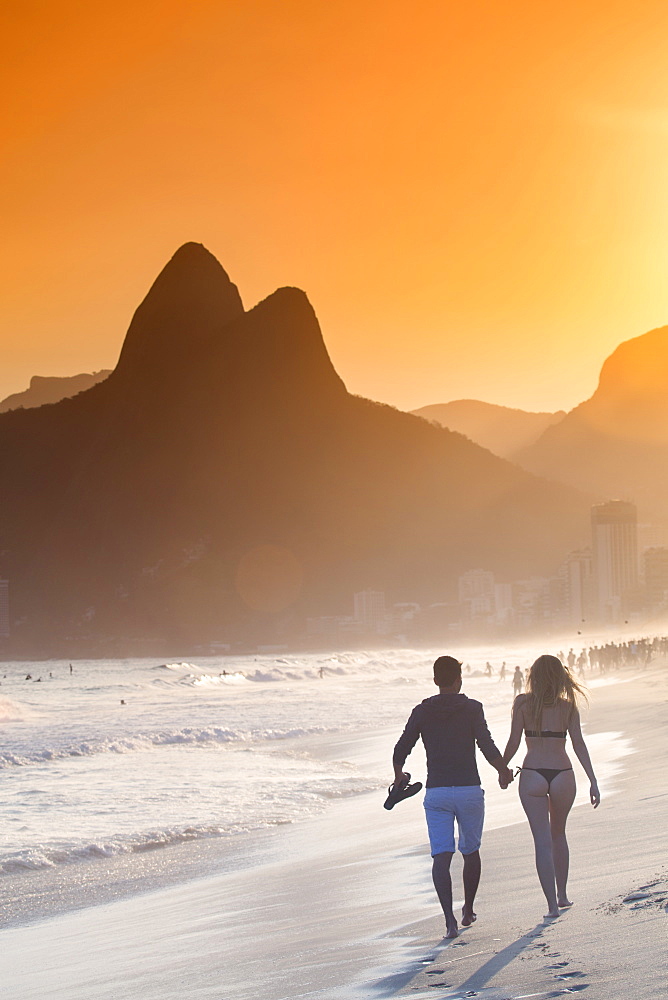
11	711
209	736
308	798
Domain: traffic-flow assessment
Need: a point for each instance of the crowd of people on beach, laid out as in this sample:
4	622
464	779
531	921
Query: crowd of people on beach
590	660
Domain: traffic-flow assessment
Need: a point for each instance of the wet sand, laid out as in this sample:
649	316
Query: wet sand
346	908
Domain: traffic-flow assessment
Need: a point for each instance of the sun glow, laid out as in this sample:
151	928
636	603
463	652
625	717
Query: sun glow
474	200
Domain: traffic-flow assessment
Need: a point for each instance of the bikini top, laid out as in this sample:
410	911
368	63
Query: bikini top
545	732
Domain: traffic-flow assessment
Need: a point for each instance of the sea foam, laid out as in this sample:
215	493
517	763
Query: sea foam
12	711
144	741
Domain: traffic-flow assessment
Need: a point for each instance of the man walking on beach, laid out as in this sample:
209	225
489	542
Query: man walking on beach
450	725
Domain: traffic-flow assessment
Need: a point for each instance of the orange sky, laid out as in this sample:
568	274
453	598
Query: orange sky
475	200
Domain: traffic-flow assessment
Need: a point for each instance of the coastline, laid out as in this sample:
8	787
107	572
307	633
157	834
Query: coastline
29	896
347	899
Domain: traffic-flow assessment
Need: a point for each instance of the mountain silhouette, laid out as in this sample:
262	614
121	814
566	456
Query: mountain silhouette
615	444
222	483
501	429
187	306
50	389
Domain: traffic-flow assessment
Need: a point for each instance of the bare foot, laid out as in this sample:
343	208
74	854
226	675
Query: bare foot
451	930
468	917
552	914
563	903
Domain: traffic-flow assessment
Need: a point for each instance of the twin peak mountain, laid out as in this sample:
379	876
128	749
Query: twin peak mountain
193	318
222	483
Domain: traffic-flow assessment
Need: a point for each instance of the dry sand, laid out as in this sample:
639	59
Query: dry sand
347	910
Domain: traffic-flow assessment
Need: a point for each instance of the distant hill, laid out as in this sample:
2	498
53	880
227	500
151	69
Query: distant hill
501	429
51	389
616	443
222	483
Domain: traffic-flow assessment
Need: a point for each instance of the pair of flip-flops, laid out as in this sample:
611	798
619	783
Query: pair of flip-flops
401	790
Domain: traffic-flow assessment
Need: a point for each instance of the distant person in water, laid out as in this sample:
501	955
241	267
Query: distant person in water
518	681
450	725
546	714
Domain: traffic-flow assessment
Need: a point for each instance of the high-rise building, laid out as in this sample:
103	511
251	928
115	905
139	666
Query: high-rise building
577	580
370	610
476	593
656	578
476	583
4	609
533	600
614	527
504	608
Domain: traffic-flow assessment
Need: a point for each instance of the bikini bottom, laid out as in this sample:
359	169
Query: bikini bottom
549	773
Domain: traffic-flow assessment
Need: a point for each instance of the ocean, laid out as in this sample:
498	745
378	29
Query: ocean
124	758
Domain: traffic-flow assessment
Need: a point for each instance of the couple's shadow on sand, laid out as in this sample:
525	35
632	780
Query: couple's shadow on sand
446	958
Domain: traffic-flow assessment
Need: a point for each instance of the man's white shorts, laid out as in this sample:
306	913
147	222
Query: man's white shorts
444	805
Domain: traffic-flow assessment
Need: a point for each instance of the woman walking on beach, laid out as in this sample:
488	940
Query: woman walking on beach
546	714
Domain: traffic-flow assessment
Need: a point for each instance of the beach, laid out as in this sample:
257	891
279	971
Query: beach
339	904
614	940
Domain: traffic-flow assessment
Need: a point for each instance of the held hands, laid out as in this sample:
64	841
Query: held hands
594	795
505	777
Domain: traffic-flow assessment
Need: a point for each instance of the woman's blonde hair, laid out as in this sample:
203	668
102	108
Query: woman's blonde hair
548	683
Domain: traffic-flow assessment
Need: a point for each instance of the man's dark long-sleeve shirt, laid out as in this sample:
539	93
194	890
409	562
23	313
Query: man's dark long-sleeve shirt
450	726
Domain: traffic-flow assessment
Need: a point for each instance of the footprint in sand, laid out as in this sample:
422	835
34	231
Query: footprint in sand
641	900
569	989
